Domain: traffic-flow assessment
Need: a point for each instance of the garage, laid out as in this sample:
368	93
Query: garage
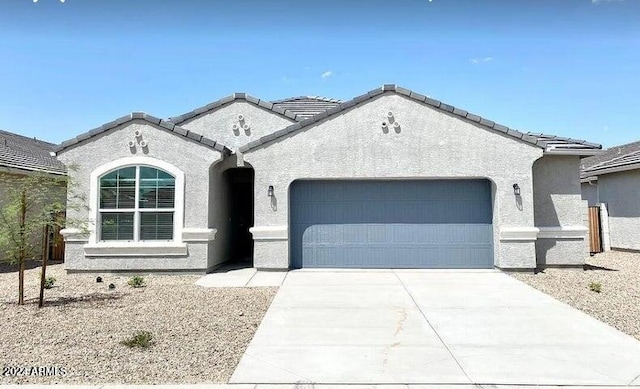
411	224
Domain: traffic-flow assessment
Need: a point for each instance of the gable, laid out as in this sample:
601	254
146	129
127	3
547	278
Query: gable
140	117
425	138
550	143
223	124
139	138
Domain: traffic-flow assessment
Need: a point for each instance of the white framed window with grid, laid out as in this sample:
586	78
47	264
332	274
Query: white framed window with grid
137	201
137	205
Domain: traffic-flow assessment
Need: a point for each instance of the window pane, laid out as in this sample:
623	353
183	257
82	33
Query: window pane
156	225
117	189
116	226
157	188
126	198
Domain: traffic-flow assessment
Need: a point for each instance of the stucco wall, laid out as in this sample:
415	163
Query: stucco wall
590	193
559	211
428	143
621	193
190	157
217	124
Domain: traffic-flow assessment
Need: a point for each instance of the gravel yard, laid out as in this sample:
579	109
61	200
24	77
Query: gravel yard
199	333
618	304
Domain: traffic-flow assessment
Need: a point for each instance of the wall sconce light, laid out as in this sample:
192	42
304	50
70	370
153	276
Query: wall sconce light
270	191
516	189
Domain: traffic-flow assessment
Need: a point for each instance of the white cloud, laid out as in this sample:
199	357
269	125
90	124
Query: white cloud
480	60
327	74
598	2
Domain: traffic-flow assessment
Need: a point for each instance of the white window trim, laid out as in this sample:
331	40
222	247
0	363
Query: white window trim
178	209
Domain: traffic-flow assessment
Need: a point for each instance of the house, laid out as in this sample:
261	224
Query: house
389	179
21	156
613	178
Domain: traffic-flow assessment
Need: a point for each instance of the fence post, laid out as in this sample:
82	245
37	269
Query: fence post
604	227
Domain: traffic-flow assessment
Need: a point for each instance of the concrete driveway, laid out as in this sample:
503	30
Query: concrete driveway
435	327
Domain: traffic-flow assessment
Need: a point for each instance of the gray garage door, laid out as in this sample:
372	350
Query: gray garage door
392	224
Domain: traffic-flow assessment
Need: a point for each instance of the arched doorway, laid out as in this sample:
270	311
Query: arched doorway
239	242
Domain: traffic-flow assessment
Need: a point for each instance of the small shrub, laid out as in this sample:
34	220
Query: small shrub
48	282
141	339
595	287
137	282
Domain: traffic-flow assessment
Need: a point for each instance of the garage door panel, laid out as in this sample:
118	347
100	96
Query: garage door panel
400	224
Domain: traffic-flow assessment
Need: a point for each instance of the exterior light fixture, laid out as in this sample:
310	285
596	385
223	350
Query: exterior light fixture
516	189
270	191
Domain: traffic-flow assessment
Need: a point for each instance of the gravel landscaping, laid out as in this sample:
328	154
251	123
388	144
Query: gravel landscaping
618	303
199	333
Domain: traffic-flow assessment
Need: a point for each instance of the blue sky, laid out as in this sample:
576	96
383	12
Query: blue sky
565	67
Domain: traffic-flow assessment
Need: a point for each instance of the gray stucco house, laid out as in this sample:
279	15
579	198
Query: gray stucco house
389	179
613	179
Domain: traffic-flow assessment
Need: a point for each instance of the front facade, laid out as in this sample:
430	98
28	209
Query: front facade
613	181
390	179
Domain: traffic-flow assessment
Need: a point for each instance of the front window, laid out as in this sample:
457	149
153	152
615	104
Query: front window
137	204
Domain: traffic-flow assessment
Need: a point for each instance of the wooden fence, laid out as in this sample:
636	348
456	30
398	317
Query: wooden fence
595	241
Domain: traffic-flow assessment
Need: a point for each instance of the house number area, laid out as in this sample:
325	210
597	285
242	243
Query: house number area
35	371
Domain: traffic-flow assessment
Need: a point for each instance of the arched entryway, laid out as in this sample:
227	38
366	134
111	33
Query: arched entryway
239	242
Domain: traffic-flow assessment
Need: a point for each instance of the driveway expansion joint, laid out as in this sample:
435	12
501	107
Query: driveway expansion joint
431	326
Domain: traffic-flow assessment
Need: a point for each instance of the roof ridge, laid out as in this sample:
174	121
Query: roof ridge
164	124
525	137
227	100
295	98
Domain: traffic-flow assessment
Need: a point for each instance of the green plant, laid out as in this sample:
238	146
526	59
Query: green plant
48	282
32	206
595	287
137	282
142	339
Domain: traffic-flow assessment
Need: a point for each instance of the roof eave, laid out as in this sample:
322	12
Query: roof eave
616	169
16	169
163	124
578	152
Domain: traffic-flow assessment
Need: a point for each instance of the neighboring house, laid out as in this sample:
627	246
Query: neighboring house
389	179
613	178
21	156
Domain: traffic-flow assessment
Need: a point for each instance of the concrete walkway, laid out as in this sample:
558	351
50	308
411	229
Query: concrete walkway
430	327
241	278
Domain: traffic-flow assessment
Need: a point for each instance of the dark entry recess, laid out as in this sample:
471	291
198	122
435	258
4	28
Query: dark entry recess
239	183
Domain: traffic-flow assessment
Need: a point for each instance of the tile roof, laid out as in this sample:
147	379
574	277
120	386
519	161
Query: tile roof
21	152
614	159
164	124
551	143
305	107
294	108
228	100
